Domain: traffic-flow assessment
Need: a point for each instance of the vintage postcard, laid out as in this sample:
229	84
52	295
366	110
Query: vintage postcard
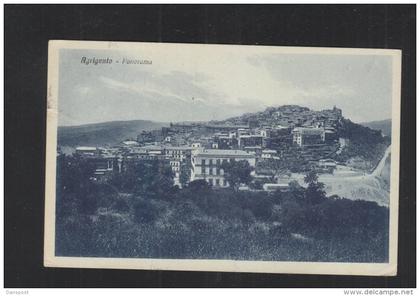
222	158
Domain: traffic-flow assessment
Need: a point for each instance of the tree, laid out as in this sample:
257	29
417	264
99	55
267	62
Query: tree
74	173
295	189
311	177
184	175
275	167
145	211
199	186
314	193
237	172
154	178
145	177
74	185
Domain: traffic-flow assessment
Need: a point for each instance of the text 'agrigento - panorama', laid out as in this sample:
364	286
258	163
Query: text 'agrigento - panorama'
124	61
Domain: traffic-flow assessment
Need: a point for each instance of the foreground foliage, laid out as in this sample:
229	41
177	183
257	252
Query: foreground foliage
142	219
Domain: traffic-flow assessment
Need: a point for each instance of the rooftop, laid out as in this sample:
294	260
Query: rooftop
250	136
151	147
130	142
269	151
86	148
223	152
177	147
308	130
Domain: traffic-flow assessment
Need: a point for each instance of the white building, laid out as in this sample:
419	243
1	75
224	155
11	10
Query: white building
268	154
130	143
275	186
206	164
86	151
177	155
177	152
242	131
176	169
150	149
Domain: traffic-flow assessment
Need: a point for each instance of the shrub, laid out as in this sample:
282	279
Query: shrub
145	211
121	206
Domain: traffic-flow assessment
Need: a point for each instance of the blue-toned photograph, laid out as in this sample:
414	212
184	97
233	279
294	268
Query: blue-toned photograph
223	152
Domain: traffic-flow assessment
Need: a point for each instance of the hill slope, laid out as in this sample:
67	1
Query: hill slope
382	125
106	133
355	184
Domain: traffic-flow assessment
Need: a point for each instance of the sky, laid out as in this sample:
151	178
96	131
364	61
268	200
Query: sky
217	82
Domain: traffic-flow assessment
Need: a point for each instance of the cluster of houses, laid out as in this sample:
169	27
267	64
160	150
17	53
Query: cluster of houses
200	149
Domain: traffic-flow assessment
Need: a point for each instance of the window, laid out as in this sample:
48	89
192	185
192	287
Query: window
217	182
210	161
217	171
211	171
218	162
203	162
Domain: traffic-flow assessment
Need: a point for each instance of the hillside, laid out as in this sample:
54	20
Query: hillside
286	115
106	133
383	125
371	187
364	147
364	144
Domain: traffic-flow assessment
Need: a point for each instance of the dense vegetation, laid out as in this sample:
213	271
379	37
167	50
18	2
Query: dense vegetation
141	214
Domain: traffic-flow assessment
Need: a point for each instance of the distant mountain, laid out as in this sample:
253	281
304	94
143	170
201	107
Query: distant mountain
383	125
106	133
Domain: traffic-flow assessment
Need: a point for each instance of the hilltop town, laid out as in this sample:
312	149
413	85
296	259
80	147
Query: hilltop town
276	143
284	184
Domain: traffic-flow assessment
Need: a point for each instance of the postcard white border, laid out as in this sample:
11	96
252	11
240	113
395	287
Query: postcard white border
373	269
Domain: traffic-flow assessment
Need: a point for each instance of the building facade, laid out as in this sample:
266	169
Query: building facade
207	164
305	136
250	141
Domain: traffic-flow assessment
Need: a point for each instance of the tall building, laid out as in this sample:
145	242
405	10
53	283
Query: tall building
177	155
177	152
303	136
206	164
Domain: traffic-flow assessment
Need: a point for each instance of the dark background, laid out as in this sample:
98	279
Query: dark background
27	31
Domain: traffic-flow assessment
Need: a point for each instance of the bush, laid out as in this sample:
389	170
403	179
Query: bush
121	206
145	211
198	222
